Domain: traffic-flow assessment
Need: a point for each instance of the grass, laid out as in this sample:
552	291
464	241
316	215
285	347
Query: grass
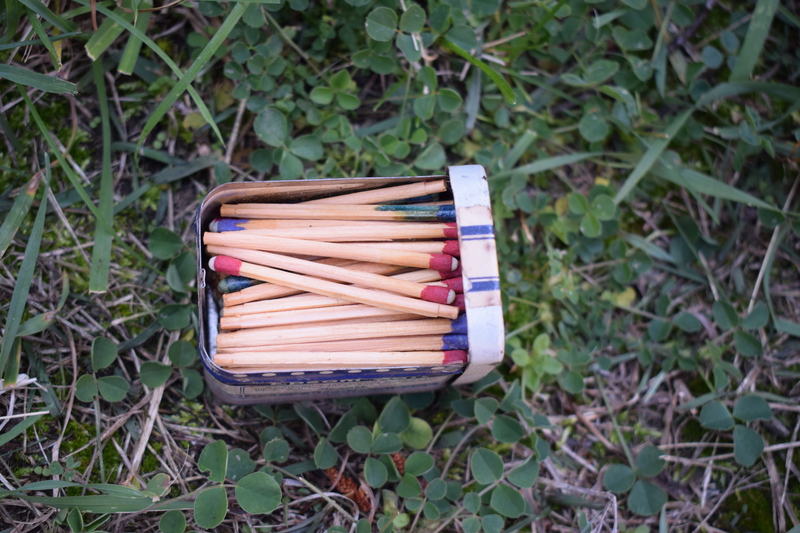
643	165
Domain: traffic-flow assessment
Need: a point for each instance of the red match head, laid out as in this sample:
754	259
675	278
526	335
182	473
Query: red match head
443	262
454	357
439	295
225	265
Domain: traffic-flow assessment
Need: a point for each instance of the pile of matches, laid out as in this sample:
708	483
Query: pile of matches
361	280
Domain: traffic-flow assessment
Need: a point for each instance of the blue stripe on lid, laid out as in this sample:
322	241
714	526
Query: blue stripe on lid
487	229
482	286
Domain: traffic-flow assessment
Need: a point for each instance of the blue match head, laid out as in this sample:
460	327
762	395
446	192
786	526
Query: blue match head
227	224
460	325
454	341
446	213
231	284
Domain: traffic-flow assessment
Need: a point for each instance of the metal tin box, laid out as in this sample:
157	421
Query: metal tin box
470	196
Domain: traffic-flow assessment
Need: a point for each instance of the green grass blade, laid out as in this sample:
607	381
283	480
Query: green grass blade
94	503
649	158
546	164
700	183
33	42
728	90
11	372
106	34
185	81
23	282
168	175
101	251
17	213
43	11
76	183
519	148
754	40
201	106
12	139
134	45
501	83
10	434
48	84
39	29
12	17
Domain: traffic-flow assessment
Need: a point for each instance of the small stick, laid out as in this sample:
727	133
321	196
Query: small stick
449	341
450	247
441	295
280	335
338	360
387	194
290	303
353	232
229	265
269	291
420	213
269	243
238	224
304	316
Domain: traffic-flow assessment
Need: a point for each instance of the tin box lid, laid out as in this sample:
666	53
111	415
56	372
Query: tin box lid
480	271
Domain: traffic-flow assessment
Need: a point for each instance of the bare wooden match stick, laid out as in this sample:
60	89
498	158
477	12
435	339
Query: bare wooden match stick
289	303
441	295
450	341
441	213
238	224
361	231
269	243
229	265
304	316
337	360
387	194
450	247
268	291
280	335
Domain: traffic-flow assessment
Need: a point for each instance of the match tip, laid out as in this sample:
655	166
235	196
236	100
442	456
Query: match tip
443	262
460	302
451	231
457	284
439	295
454	357
227	224
214	225
459	325
451	273
225	265
452	248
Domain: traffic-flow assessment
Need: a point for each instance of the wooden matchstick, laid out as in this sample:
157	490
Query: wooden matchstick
441	213
280	335
441	295
450	247
356	231
267	291
228	265
338	360
270	243
289	303
450	341
386	194
304	316
239	224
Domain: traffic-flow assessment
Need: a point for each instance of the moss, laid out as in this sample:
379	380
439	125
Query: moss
150	462
749	510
